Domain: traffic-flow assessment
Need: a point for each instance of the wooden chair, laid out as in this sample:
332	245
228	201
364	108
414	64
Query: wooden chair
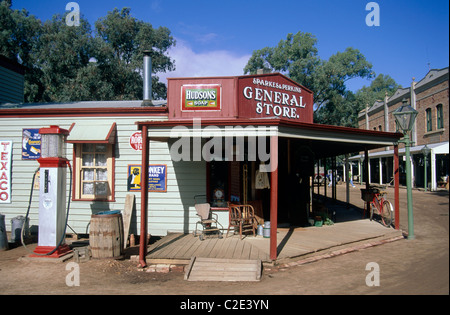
242	217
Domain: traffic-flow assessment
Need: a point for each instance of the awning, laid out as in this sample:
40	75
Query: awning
324	140
87	132
436	148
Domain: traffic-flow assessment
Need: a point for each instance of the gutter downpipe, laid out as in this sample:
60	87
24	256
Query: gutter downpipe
144	198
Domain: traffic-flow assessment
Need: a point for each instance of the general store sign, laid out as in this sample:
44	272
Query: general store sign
201	97
274	96
5	170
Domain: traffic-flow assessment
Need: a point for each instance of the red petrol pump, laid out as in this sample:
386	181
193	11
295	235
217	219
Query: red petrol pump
52	194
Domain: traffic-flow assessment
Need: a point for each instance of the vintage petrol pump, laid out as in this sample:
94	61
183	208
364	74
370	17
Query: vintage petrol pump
52	194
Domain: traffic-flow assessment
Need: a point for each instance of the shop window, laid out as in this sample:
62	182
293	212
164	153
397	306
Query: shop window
440	116
429	120
93	175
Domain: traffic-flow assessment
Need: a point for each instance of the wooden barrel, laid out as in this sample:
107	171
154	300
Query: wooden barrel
106	235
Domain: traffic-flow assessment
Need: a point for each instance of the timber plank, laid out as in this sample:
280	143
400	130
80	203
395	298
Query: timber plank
195	244
164	249
207	247
127	212
230	250
220	251
213	269
238	249
180	246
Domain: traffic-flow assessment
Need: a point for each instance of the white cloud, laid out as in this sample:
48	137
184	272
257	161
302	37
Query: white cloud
212	63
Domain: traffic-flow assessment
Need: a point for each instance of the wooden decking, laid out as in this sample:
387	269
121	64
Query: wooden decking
291	242
184	246
222	269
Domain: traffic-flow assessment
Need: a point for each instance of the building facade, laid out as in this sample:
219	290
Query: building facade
430	97
213	137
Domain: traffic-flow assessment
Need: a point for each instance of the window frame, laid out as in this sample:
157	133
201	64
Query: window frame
429	120
440	116
77	180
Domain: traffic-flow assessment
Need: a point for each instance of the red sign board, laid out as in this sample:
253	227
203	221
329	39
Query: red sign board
136	141
274	96
271	95
201	97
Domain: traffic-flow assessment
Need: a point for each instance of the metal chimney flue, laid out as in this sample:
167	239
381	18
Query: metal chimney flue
147	97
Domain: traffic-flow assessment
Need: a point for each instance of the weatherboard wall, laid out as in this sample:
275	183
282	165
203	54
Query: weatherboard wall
172	210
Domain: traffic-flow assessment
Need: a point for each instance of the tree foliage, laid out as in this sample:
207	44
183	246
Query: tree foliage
72	63
343	110
297	56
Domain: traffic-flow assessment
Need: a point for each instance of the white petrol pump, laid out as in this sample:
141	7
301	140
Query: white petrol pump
52	194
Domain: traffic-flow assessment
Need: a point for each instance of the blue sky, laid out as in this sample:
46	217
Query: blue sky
217	38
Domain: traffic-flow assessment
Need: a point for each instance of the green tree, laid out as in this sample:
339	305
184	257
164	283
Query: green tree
297	57
62	51
343	109
121	40
378	88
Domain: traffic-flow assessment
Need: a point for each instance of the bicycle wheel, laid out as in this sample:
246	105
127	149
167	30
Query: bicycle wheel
386	213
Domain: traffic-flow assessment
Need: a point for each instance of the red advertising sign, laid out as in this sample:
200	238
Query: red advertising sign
5	171
201	97
274	96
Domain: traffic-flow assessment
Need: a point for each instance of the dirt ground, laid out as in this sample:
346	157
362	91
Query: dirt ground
417	266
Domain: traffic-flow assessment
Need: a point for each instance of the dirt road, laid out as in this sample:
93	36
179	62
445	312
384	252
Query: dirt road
419	266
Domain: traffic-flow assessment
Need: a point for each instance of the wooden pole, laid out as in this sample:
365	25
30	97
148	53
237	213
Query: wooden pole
273	196
366	176
144	198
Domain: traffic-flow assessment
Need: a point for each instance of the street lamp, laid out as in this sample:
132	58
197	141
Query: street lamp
425	151
405	116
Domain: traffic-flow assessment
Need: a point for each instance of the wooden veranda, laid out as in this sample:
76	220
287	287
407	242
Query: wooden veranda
291	242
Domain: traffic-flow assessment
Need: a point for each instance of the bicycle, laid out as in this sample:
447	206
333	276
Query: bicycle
378	204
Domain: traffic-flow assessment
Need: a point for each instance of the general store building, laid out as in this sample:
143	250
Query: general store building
213	137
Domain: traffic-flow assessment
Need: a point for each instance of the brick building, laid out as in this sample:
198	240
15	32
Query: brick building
430	97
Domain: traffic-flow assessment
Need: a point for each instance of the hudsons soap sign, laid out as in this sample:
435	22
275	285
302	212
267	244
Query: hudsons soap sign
274	96
200	97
